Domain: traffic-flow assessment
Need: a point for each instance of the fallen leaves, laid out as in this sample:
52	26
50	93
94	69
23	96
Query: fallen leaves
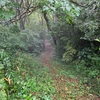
8	80
18	68
66	89
76	87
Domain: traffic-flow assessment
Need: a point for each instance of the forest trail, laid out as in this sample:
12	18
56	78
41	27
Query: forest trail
59	82
47	54
66	88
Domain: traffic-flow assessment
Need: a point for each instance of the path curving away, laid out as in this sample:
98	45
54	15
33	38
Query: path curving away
62	89
46	56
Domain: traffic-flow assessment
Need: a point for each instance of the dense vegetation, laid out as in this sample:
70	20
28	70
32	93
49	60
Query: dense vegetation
74	26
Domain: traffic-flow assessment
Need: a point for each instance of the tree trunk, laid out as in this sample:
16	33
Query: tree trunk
18	11
49	27
22	24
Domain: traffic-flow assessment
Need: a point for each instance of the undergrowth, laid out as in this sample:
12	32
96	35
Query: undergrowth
27	79
86	76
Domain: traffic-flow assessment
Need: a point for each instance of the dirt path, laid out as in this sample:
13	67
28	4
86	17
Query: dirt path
47	54
63	90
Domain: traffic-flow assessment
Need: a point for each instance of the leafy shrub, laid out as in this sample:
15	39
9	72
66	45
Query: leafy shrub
14	29
67	38
3	95
91	61
8	40
4	60
70	52
31	41
89	67
4	65
11	40
89	20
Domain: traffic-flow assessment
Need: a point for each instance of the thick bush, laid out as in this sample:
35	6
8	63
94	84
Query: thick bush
11	39
5	64
31	41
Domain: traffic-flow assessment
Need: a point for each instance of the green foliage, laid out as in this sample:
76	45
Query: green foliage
90	68
3	95
63	7
91	61
14	29
8	40
12	39
4	65
31	41
89	20
6	9
67	40
3	2
70	52
29	79
4	60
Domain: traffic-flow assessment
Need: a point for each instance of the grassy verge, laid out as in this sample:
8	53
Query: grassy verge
29	79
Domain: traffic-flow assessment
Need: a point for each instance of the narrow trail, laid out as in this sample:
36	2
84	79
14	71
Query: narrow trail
47	54
46	57
62	89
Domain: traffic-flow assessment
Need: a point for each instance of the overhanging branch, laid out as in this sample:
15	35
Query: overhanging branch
76	3
16	18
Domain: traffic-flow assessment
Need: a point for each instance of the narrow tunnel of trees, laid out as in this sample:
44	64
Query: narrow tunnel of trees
71	28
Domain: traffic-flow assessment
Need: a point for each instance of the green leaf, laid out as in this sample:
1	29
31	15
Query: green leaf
3	2
1	66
